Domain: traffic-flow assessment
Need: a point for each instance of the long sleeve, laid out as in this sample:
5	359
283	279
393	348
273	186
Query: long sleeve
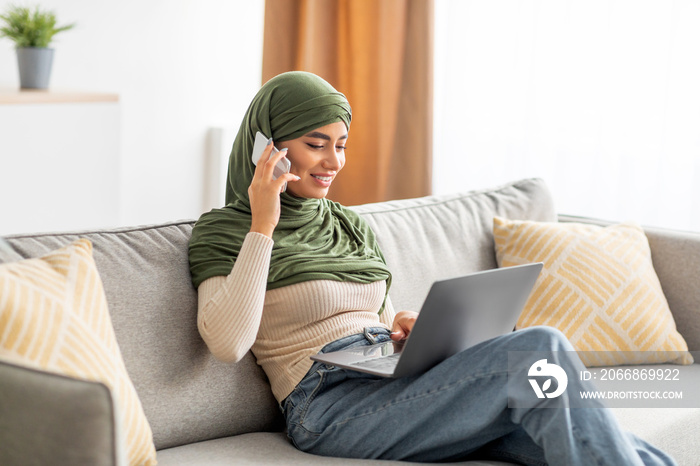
230	308
387	317
298	320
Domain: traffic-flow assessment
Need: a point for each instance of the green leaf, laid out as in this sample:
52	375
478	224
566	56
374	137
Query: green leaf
27	28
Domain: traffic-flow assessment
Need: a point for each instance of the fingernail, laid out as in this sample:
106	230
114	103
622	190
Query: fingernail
297	178
284	150
269	141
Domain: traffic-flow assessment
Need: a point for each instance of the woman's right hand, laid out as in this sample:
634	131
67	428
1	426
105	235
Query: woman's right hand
264	192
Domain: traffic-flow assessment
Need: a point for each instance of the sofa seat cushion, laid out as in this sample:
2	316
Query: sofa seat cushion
265	448
673	425
674	430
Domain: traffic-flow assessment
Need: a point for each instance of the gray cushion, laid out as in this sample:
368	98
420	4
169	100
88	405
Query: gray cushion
7	254
264	448
676	258
71	421
436	237
674	430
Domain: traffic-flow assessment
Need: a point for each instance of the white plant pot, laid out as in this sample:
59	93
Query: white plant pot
34	67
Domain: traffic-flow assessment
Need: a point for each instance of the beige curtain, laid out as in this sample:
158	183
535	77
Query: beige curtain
379	54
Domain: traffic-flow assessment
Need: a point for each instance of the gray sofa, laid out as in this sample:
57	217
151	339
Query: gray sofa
205	412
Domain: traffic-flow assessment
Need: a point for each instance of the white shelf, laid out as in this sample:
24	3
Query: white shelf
9	96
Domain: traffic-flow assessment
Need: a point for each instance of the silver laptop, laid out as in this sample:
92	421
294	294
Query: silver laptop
457	314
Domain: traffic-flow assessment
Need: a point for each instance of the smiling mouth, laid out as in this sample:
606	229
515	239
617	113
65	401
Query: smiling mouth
323	178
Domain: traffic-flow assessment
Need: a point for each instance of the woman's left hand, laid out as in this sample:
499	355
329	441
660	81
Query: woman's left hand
403	324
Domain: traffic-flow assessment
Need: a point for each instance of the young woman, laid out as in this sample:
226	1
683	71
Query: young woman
289	274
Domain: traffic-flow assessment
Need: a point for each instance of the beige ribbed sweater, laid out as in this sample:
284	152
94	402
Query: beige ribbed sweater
284	326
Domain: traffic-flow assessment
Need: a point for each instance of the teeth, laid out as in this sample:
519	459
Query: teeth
323	178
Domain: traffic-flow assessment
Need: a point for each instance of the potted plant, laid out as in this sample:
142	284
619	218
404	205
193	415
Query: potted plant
32	32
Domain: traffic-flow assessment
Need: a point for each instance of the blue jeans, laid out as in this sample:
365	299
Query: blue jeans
458	410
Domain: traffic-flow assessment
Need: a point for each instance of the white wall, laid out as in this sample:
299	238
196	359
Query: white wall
179	68
600	98
66	177
524	80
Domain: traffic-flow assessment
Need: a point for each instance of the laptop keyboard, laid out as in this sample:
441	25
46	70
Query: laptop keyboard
386	363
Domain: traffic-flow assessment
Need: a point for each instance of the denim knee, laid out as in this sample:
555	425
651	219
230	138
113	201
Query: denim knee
544	338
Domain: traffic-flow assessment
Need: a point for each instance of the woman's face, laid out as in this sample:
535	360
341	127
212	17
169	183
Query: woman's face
316	159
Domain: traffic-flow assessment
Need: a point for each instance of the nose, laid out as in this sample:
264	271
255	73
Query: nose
333	160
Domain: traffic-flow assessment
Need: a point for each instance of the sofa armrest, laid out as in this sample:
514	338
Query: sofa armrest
48	418
676	258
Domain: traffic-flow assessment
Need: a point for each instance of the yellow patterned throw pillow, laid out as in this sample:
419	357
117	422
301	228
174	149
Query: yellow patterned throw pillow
598	286
53	315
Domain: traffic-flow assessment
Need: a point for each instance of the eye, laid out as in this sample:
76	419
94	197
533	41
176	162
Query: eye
314	146
341	147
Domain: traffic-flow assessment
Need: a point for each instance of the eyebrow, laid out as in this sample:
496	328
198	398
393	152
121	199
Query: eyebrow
320	135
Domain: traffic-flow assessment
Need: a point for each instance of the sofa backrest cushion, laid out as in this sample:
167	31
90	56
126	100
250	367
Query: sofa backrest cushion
188	395
7	254
438	237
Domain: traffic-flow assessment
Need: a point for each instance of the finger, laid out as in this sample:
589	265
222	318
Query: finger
269	169
403	325
397	331
286	178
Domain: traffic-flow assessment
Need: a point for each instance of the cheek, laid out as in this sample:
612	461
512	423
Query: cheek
297	167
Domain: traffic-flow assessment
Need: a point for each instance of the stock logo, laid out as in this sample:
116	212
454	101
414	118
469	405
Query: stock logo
542	369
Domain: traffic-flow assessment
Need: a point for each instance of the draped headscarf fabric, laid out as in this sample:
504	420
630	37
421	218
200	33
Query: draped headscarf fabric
315	239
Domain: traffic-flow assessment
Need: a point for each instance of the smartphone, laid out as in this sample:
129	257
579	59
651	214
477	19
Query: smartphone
282	167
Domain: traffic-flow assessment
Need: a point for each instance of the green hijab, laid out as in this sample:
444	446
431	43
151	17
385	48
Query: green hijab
315	239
